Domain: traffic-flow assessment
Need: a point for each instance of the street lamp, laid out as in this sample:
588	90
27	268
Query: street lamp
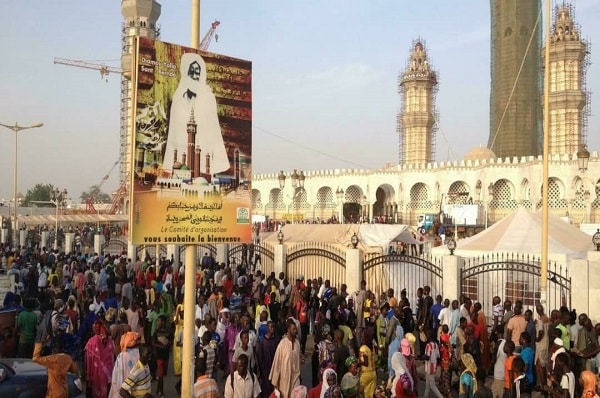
583	157
297	186
280	237
354	240
487	205
340	197
16	128
596	240
451	243
58	199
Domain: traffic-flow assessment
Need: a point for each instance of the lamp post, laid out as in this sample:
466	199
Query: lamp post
58	199
16	128
487	202
297	186
451	243
340	197
583	158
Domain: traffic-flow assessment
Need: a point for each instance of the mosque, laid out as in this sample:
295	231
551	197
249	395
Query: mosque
498	180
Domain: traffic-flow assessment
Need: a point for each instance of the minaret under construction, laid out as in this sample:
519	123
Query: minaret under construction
140	17
416	121
515	110
569	99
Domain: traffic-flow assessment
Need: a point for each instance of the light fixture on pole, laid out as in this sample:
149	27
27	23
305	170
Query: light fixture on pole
583	157
354	240
487	204
16	128
280	237
596	240
58	199
451	243
339	194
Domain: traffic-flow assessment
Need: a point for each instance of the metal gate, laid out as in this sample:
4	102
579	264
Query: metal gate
314	260
403	272
266	256
514	277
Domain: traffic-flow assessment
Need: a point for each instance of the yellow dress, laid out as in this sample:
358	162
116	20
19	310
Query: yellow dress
177	349
368	375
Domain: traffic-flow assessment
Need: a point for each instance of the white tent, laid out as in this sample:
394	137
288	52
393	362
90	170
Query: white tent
521	232
372	237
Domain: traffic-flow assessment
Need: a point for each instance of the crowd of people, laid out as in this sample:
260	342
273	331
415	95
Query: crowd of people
120	321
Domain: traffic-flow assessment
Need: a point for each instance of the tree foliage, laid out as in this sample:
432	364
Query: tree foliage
39	193
96	194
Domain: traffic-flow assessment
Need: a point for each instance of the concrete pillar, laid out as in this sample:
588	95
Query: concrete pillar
22	237
98	243
44	239
354	269
131	251
4	235
69	240
280	264
173	251
585	285
221	255
451	266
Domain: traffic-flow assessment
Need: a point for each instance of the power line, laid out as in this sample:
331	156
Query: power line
320	152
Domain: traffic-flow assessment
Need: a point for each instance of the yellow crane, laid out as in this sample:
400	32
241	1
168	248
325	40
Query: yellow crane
106	70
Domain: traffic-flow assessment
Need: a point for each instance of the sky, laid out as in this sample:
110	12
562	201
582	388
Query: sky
325	76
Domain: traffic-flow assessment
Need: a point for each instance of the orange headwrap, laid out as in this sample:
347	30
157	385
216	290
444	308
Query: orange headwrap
128	340
588	380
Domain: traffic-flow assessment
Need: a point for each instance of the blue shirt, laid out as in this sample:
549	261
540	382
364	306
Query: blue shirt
435	312
527	356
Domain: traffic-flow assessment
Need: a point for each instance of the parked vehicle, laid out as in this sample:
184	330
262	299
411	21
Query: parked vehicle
23	378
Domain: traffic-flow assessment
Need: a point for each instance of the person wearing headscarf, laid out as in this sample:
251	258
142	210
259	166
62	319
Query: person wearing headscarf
368	374
125	362
333	392
329	379
177	348
588	382
195	98
350	384
402	383
394	347
299	392
468	382
99	361
446	362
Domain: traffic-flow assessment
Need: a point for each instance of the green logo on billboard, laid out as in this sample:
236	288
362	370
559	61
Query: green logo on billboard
243	215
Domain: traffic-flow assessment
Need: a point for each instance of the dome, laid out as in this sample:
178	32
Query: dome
480	153
177	165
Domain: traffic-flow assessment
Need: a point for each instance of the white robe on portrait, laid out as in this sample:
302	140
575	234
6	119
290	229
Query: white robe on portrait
208	131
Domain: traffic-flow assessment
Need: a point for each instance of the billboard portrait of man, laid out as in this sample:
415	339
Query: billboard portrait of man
193	94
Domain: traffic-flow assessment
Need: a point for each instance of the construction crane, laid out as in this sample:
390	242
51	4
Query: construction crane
106	70
89	203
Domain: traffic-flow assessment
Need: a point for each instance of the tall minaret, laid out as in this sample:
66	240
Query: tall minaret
191	143
417	119
140	18
515	93
568	97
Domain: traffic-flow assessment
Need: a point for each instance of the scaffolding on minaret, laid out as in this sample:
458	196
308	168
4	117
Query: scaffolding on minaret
569	96
417	120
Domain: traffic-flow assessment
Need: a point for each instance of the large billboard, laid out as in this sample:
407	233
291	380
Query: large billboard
192	146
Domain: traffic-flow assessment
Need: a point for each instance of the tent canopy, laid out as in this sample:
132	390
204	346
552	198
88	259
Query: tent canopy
521	232
372	237
50	219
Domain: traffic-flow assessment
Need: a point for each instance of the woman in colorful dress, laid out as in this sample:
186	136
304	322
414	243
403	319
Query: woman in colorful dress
446	362
177	348
350	384
402	384
368	375
468	382
99	361
125	362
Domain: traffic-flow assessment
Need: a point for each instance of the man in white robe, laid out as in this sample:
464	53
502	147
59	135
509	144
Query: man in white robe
194	94
285	371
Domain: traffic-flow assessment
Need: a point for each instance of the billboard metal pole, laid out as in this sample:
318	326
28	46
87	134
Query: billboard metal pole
189	299
545	172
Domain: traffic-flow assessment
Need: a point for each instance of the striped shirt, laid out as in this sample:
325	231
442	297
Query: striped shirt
138	383
206	387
